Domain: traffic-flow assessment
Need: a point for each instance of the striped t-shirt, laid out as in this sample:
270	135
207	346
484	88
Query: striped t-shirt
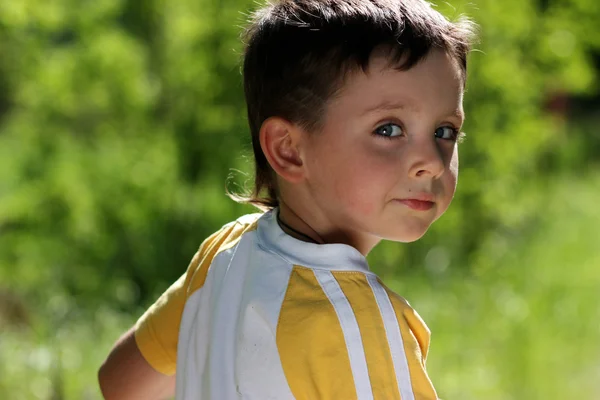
262	315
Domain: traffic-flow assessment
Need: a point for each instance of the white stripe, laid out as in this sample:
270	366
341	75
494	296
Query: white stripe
392	331
354	345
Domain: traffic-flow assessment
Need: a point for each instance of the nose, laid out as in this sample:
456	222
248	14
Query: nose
427	159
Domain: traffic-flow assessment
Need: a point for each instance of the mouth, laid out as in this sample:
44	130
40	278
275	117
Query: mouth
417	204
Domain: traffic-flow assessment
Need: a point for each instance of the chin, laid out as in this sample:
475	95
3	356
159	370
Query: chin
406	236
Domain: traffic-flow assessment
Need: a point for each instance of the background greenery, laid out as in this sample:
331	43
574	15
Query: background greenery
120	121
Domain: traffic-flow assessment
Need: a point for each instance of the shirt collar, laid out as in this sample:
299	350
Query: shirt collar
333	256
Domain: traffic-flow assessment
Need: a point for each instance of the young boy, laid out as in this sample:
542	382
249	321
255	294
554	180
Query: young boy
355	108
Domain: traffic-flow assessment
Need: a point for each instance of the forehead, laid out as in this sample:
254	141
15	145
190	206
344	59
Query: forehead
434	85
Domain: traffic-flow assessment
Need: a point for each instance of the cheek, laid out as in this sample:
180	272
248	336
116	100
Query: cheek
454	165
362	182
350	174
449	182
452	176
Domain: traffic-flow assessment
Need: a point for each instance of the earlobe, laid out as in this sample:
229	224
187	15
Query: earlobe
278	140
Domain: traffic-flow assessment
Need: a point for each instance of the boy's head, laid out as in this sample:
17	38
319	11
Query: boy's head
352	66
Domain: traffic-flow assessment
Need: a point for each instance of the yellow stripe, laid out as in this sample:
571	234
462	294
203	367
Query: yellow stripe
415	335
311	342
357	290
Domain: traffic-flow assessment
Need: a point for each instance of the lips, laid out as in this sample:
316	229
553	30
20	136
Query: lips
416	204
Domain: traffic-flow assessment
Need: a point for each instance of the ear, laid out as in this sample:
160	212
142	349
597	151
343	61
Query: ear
279	143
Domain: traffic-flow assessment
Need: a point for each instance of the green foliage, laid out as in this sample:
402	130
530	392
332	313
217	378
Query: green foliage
120	121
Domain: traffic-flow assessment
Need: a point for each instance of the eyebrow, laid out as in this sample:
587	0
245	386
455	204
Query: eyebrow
400	105
389	105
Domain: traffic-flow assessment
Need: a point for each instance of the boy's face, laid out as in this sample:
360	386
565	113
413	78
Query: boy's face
388	140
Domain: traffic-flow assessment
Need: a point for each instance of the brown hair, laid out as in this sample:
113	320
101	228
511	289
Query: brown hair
298	53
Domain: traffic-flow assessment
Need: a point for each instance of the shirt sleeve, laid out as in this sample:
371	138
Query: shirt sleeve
157	330
420	331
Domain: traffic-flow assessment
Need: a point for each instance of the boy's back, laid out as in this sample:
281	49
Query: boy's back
355	110
266	316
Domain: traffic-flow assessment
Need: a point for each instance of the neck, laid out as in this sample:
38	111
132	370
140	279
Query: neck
292	224
305	227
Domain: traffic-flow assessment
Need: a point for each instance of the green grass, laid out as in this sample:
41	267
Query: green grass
49	361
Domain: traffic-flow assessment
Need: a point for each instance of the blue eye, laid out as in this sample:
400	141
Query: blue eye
389	130
446	132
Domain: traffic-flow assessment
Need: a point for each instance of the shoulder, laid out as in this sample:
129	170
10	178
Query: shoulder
247	219
229	234
225	238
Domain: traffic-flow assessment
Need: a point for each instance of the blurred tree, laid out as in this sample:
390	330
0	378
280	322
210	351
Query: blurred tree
118	131
120	121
